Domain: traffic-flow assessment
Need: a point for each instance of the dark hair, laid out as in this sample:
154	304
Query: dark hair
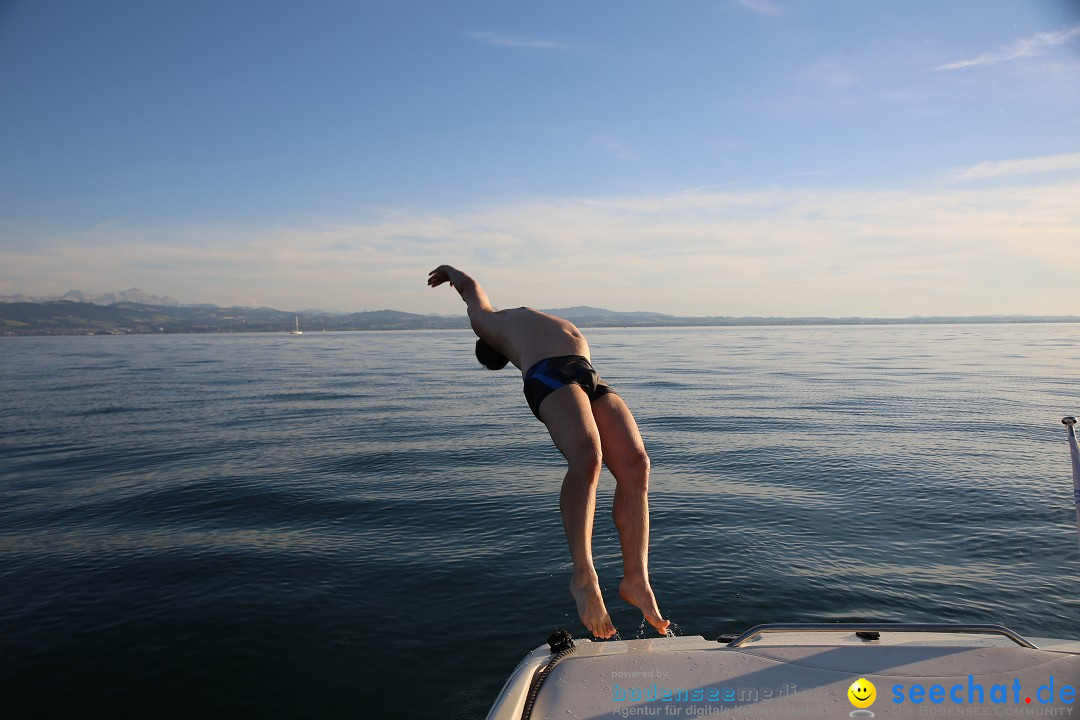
489	357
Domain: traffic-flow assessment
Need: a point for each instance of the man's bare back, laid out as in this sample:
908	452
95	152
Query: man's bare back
589	423
527	336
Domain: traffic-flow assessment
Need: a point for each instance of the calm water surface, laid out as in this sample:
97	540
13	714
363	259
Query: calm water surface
366	524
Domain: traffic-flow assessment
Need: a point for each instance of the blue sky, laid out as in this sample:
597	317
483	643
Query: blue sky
732	157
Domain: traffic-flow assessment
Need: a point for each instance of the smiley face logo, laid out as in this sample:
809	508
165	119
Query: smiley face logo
862	693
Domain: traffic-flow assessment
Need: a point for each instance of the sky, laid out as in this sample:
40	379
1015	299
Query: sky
693	157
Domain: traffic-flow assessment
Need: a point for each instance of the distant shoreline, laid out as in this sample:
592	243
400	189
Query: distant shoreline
126	318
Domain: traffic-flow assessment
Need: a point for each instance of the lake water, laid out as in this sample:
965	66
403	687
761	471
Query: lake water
366	524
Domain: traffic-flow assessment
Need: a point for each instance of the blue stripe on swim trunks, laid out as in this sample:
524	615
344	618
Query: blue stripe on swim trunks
539	372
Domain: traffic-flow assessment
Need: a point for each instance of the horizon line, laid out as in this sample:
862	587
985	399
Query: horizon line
5	300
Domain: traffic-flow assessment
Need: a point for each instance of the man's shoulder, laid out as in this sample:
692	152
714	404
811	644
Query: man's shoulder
503	320
518	313
531	316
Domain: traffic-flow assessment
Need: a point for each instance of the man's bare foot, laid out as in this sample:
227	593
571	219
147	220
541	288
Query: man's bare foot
638	593
591	608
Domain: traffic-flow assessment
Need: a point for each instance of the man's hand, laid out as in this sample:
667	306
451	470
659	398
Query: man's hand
467	288
439	275
480	310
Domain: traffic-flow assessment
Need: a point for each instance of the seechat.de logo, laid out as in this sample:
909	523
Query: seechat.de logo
862	695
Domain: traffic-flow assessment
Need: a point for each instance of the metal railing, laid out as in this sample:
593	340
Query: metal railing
879	628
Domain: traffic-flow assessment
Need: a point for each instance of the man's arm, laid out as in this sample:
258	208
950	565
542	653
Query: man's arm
471	292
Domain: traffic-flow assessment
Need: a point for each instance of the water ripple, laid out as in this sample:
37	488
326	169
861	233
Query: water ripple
237	521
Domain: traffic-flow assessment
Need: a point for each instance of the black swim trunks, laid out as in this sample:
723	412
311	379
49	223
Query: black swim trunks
547	376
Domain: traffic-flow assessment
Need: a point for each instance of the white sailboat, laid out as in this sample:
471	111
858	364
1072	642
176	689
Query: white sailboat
297	331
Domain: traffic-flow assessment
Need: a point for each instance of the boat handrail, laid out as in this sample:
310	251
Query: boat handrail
879	628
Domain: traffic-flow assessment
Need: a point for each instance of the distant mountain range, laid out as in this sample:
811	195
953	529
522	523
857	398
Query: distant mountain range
136	312
134	295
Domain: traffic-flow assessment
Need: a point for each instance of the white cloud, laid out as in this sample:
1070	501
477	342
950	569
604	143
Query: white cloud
1024	47
952	248
761	7
517	42
1019	167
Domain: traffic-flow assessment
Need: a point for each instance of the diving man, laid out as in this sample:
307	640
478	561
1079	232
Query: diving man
589	424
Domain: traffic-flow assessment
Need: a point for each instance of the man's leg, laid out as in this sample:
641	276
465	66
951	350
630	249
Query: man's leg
569	420
625	456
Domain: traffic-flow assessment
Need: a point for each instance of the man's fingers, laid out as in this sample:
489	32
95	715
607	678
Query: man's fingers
437	277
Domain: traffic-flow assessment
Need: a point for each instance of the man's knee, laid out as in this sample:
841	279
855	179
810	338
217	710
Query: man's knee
586	458
633	470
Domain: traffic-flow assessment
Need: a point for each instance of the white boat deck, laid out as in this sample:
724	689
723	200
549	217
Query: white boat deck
801	674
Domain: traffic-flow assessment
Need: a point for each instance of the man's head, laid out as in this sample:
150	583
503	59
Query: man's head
489	357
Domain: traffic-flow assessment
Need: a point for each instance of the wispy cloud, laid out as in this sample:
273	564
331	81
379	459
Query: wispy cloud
501	40
832	75
617	149
761	7
954	248
1024	47
1020	167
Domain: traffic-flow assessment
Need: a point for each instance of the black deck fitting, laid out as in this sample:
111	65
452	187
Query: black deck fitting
560	640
